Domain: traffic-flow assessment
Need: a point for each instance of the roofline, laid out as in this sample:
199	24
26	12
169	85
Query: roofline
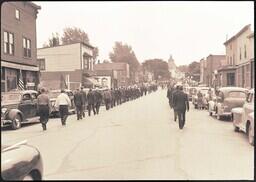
251	35
216	55
69	44
239	33
34	5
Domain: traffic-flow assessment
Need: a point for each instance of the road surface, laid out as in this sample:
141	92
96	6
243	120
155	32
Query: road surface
140	140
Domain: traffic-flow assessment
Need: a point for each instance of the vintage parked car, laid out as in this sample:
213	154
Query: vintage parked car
242	118
204	91
53	94
227	99
18	107
21	162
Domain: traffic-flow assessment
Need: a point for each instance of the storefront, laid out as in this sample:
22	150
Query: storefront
244	75
15	75
226	76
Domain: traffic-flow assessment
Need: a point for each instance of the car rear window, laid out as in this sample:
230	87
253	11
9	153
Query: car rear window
237	94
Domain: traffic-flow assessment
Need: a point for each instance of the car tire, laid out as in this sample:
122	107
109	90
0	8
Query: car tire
250	135
16	122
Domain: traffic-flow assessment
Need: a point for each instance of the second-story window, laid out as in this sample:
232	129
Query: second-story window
245	55
240	53
8	43
26	47
17	14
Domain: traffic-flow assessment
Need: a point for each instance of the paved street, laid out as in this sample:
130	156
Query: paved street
140	140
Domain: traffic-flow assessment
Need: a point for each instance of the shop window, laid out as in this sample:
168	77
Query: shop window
240	54
245	54
230	79
8	43
11	79
2	73
3	86
26	47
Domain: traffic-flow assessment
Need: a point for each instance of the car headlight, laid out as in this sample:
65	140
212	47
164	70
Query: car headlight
3	110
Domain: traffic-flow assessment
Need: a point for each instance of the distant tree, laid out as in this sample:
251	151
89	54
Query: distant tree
53	41
124	53
183	68
194	68
158	67
73	35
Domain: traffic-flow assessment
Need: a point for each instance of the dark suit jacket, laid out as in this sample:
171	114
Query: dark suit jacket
90	97
78	99
180	101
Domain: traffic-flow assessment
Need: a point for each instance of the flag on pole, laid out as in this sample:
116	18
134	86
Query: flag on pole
20	82
63	84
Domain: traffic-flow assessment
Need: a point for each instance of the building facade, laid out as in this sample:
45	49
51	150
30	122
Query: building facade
203	71
213	63
238	50
74	62
19	68
119	72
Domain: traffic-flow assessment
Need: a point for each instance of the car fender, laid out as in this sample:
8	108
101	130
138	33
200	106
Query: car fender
12	113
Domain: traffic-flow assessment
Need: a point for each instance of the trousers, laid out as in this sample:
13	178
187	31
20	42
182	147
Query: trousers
182	118
63	109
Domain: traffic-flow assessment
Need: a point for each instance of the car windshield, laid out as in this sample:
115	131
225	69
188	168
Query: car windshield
237	94
10	97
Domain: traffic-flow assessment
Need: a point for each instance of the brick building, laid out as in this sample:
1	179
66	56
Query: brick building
19	68
213	63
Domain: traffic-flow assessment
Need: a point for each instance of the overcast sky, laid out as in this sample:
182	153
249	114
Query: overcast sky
187	30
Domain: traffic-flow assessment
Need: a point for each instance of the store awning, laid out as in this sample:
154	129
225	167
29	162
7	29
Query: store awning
19	66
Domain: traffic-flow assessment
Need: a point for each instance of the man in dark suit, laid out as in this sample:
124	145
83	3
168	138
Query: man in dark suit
91	102
169	95
173	93
84	97
181	104
97	100
78	100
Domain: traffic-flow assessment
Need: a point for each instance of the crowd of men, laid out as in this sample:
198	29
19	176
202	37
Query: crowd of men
108	97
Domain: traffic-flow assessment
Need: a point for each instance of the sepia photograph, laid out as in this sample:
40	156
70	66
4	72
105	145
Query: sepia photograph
127	90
